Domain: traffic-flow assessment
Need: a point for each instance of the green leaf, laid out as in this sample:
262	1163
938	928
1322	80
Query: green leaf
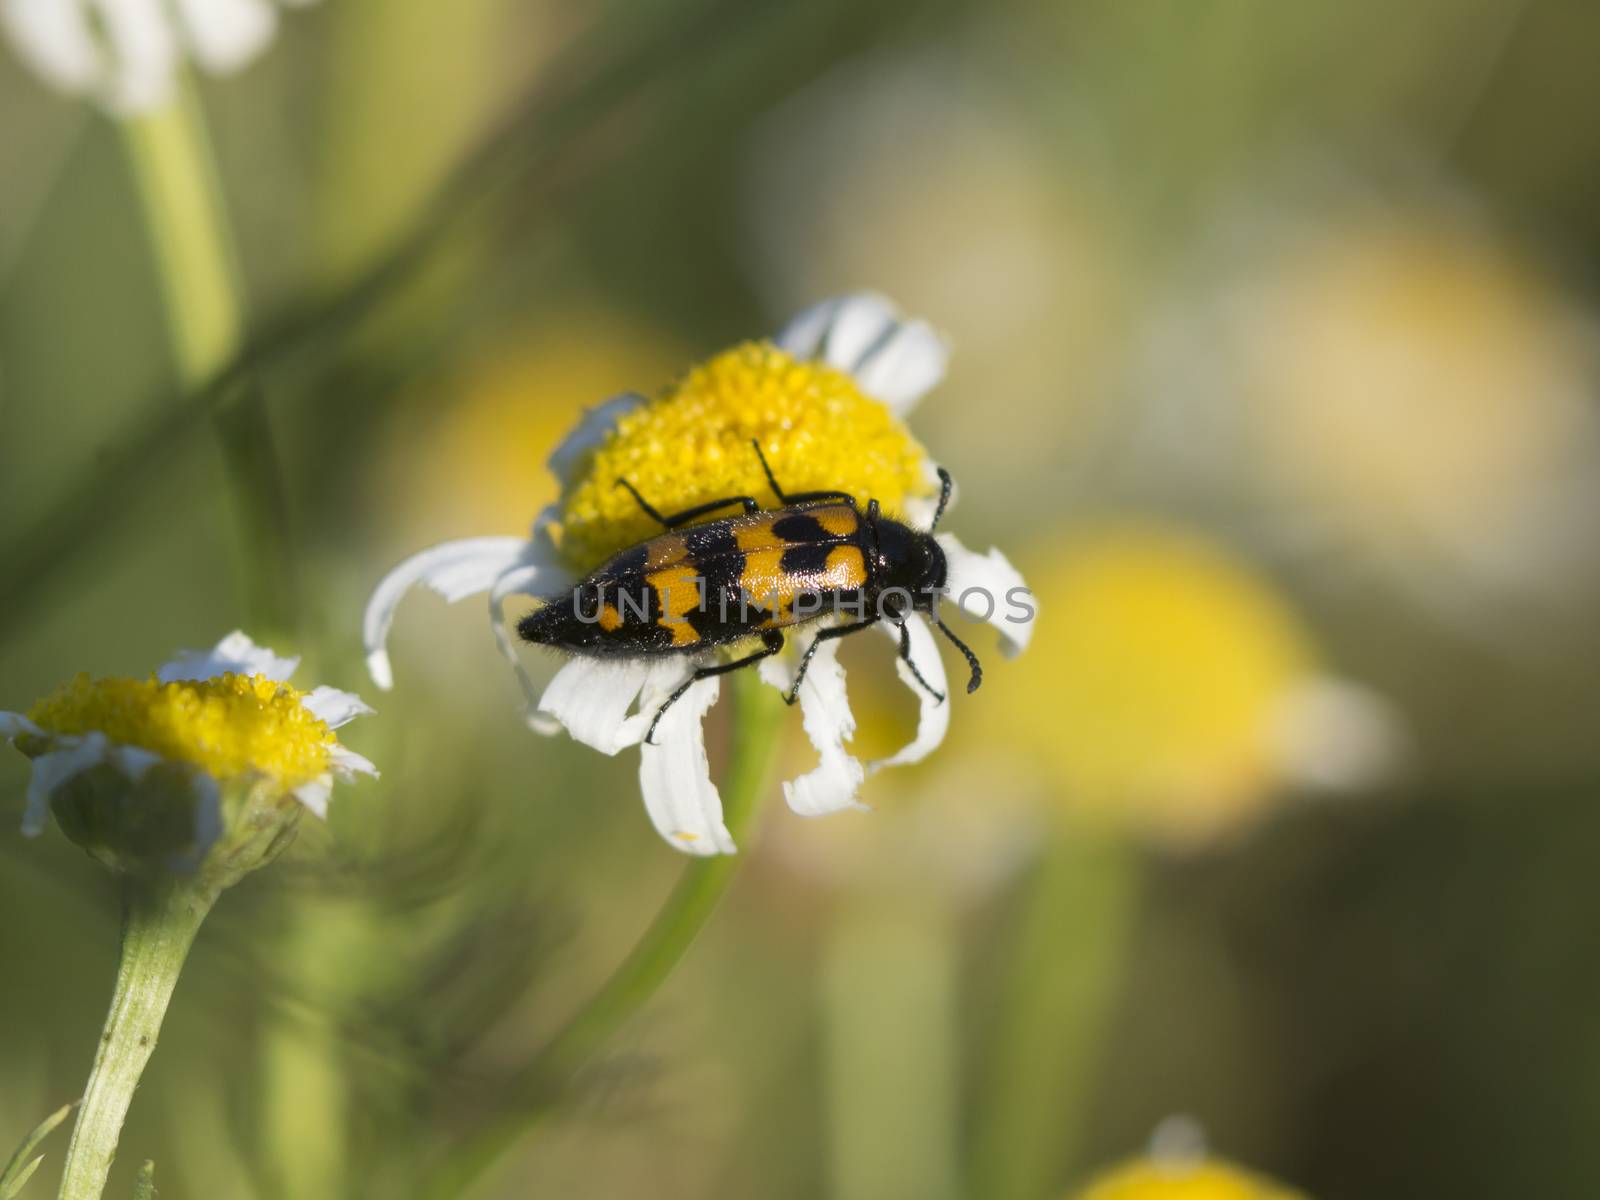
21	1167
144	1187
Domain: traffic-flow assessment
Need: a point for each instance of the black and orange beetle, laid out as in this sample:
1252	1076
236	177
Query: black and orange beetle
750	576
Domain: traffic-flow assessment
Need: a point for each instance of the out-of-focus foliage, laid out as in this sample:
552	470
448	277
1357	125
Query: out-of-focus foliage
1274	363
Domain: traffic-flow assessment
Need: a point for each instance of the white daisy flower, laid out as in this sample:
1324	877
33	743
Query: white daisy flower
824	401
125	54
213	725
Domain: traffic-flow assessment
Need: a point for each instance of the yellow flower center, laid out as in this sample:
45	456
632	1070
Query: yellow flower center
1203	1181
692	444
229	726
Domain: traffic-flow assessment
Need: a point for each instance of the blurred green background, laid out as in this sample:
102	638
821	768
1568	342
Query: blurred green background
1274	368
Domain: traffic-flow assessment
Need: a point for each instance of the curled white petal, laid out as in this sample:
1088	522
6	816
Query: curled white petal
592	698
52	770
988	588
832	784
14	724
590	433
55	40
314	795
453	569
933	716
528	578
335	708
675	775
236	653
345	764
225	35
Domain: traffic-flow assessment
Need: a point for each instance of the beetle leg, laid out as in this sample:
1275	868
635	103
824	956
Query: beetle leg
785	498
687	514
905	656
827	635
771	643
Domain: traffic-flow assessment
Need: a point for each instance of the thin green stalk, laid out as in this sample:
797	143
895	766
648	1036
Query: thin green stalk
758	721
1064	968
889	1012
185	216
160	920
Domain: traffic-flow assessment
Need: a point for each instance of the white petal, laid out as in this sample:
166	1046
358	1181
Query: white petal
860	323
988	588
933	718
236	653
52	770
675	775
144	53
335	708
592	697
224	35
453	569
825	712
133	761
346	764
314	795
1338	736
894	360
12	724
542	578
590	433
905	367
802	336
54	39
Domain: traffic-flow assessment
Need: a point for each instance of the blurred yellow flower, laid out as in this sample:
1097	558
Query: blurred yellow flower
1415	387
477	460
1170	687
1210	1179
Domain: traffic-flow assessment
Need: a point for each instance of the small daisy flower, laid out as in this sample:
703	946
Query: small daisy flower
826	401
125	54
212	756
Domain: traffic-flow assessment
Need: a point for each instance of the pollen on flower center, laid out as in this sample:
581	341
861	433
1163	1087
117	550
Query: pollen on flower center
229	726
692	444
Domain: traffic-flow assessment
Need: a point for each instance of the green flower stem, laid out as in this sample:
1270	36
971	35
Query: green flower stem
160	920
1065	965
758	722
890	1022
185	216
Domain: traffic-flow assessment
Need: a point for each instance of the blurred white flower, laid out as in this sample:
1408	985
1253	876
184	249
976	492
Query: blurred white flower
824	400
1401	387
125	54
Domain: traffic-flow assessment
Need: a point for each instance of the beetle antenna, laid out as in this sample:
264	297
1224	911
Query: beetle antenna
972	659
946	486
